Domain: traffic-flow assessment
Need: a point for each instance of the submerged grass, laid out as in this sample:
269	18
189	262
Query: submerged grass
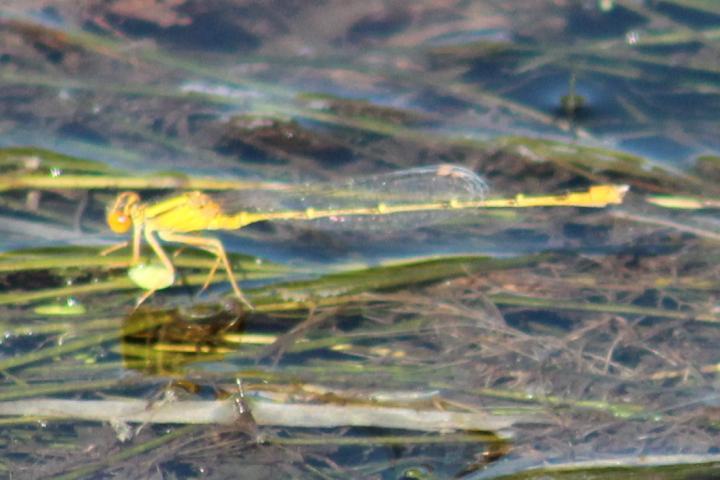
600	326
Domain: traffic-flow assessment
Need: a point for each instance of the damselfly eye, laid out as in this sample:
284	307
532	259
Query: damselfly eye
118	221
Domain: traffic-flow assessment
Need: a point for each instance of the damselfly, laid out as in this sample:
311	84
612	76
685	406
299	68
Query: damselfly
427	190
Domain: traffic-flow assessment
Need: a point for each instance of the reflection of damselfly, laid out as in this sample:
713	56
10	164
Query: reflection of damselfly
420	191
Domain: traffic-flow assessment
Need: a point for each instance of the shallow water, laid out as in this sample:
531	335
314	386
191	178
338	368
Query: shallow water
590	331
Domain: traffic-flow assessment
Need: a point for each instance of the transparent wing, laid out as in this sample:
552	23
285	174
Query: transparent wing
432	188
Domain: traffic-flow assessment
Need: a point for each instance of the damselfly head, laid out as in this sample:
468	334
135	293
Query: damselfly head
119	216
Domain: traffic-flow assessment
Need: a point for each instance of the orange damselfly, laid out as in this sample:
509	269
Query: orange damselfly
425	190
